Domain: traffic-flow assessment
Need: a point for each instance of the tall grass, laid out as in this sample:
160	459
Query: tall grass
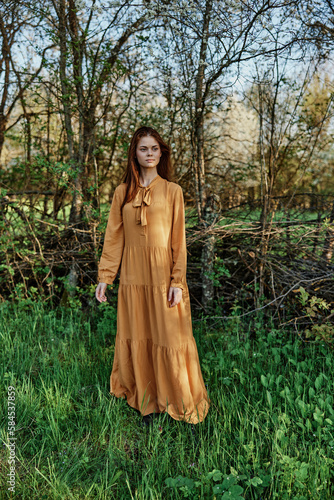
269	432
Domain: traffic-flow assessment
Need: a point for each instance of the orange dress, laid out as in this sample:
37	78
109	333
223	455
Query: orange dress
156	364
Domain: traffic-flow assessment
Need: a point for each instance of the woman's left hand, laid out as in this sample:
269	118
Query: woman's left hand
175	294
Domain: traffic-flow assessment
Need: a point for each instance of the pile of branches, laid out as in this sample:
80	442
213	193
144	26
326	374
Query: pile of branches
297	253
259	265
42	256
271	266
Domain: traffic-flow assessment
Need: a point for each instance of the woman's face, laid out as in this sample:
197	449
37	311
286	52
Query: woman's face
148	152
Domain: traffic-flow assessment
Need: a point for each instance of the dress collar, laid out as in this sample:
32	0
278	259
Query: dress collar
152	182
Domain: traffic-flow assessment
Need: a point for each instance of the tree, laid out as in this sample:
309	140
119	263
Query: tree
210	40
16	78
292	132
89	59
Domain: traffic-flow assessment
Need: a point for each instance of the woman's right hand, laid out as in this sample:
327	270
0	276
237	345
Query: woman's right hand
100	292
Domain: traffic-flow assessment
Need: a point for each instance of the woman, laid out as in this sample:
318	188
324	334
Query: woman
156	364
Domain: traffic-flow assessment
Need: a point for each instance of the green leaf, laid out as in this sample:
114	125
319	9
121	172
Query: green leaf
179	481
229	482
215	474
218	489
318	418
279	434
255	481
318	381
233	493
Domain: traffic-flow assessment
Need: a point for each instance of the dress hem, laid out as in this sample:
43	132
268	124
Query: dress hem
202	408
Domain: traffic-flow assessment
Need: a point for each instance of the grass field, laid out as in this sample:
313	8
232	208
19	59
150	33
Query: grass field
269	432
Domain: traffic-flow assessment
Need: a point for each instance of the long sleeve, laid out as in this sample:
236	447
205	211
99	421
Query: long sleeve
178	239
113	243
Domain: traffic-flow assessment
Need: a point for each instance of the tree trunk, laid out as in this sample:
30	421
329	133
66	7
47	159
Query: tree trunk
77	47
3	124
208	253
5	56
205	207
77	200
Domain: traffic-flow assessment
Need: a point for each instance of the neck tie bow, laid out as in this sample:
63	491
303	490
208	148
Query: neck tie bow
141	201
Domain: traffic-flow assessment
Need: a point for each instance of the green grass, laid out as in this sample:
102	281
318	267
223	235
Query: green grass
269	432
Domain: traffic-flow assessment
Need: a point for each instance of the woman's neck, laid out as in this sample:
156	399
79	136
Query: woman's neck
146	176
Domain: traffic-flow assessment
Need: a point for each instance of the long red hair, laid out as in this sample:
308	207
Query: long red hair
131	175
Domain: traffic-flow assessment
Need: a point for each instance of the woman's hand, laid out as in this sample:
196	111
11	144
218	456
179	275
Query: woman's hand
176	294
100	292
